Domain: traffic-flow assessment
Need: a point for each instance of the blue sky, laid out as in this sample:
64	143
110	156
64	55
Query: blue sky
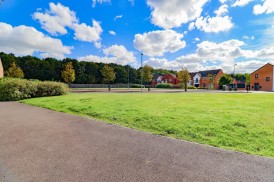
196	34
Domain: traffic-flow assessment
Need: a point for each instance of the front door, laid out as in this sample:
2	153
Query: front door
257	86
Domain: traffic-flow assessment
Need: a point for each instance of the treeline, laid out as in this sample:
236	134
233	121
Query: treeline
85	72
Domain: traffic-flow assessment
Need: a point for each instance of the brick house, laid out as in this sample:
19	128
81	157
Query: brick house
170	78
191	81
262	78
156	79
166	78
200	79
1	69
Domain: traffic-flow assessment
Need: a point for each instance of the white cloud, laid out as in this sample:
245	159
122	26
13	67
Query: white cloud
113	54
191	26
59	17
267	7
24	40
171	14
223	1
247	37
211	55
56	19
214	24
241	3
220	23
118	17
94	2
248	66
157	43
87	33
197	39
112	32
222	10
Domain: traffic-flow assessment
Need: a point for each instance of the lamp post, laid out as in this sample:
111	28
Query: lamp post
128	76
234	74
141	72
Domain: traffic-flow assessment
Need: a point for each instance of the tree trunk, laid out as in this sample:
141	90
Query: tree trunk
109	87
185	87
148	88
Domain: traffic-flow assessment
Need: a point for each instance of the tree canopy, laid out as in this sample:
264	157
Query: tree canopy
68	74
183	77
108	75
14	71
225	80
147	74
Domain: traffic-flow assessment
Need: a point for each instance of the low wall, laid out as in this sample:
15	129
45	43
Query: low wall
98	85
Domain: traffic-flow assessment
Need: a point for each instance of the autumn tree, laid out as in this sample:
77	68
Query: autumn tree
14	71
183	77
211	80
68	74
147	75
108	75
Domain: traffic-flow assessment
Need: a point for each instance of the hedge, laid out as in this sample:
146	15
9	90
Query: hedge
13	89
164	85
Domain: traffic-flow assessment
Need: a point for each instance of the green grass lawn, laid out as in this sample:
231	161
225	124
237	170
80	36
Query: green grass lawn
242	122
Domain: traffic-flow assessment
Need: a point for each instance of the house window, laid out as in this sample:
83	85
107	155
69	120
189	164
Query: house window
267	79
196	81
170	80
256	76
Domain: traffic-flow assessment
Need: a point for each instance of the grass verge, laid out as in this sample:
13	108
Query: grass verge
241	122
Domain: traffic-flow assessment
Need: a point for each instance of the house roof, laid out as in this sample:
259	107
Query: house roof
174	76
156	76
192	74
262	67
207	72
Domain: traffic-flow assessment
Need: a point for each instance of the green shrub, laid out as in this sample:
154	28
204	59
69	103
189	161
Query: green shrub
16	89
13	89
48	88
164	85
137	86
191	87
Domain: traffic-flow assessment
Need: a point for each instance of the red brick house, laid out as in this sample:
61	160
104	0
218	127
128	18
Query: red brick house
262	78
1	69
170	78
156	79
166	78
201	79
205	81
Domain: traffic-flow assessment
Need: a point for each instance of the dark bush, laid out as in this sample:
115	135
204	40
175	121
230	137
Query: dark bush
137	86
164	85
12	89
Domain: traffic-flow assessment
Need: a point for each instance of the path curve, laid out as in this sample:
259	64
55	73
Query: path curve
41	145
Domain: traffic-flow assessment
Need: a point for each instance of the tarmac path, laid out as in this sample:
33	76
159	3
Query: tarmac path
41	145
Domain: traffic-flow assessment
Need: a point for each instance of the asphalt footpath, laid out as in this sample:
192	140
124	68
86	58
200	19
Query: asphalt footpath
41	145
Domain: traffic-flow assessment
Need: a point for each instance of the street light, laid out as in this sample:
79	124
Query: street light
234	75
141	72
128	76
